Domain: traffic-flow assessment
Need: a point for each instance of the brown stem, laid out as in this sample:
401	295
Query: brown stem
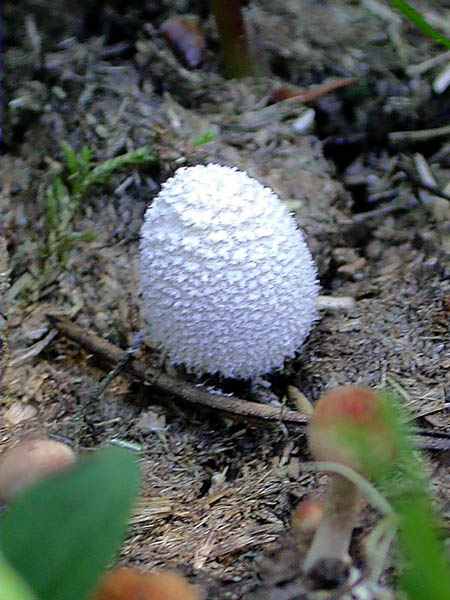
233	38
180	391
332	539
311	95
183	392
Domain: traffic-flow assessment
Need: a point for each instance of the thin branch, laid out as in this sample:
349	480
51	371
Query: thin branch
310	95
186	393
314	94
421	135
336	303
180	391
426	65
233	37
425	186
400	204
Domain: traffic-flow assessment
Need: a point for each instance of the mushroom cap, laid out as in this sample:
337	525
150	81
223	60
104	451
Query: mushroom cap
126	583
228	283
351	426
28	462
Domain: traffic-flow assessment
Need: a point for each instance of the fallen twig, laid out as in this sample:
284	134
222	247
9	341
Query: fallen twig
336	303
182	391
393	206
421	135
426	65
33	350
310	95
442	81
425	179
429	188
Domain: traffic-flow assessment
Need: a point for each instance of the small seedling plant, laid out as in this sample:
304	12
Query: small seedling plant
399	490
69	188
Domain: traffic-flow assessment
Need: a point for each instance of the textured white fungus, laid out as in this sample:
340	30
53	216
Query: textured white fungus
228	284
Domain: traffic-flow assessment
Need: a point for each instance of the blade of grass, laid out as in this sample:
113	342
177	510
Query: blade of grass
417	18
101	173
426	569
71	158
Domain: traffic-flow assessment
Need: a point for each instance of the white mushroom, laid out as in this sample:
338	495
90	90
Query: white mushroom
228	284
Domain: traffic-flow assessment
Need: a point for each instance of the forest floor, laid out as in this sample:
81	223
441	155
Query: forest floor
217	494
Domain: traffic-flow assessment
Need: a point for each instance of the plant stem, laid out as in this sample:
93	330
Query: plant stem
233	37
371	494
332	539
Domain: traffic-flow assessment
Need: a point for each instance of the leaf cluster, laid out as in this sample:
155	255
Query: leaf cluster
58	537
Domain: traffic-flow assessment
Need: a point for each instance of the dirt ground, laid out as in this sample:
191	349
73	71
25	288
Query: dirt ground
217	494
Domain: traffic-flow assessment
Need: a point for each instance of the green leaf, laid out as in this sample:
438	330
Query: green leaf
101	173
61	534
71	158
82	236
415	17
426	574
86	155
12	587
204	138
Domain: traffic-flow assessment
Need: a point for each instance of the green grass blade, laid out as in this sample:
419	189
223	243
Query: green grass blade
415	17
52	207
204	138
86	155
103	172
71	158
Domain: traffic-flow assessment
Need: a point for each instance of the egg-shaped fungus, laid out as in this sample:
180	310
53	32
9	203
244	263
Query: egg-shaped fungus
228	283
